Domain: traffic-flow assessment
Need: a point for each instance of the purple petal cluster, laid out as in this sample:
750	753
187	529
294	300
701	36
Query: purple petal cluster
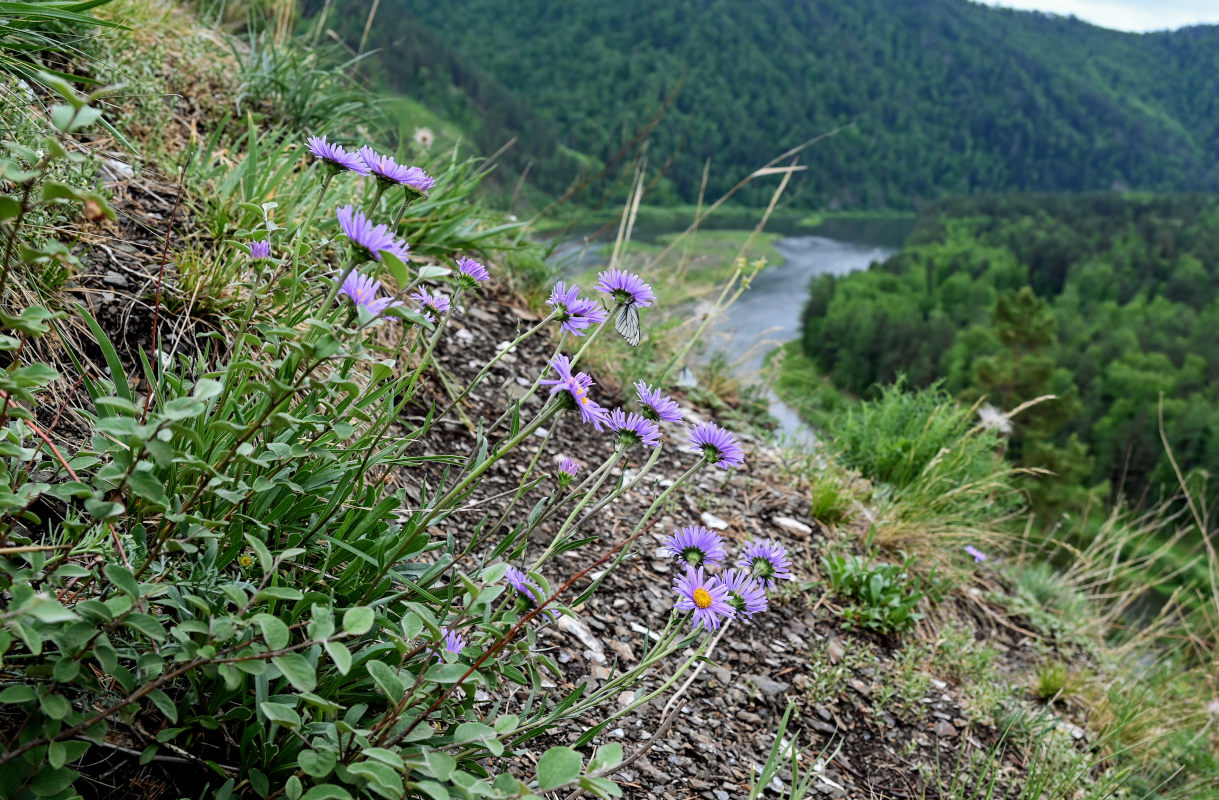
575	313
697	546
454	642
470	273
335	156
656	406
746	594
572	389
365	291
259	250
706	596
978	555
633	429
387	169
524	586
766	559
434	305
569	469
626	288
373	239
717	445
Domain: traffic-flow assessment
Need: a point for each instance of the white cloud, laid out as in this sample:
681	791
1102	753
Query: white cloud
1126	15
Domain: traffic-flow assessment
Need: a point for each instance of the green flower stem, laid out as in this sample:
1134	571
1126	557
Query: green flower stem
486	369
643	471
324	308
605	473
327	177
376	200
410	197
431	346
588	341
524	480
647	515
537	382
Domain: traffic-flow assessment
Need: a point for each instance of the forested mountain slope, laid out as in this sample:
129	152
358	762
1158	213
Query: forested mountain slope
946	97
1108	302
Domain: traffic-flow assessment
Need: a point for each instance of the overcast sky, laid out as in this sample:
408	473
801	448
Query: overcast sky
1126	15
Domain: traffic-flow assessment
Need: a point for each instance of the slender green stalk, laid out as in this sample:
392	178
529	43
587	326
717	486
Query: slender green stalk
558	537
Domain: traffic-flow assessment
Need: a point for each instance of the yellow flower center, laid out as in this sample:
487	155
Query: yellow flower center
702	598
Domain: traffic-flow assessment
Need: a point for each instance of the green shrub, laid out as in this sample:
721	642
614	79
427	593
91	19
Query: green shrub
885	595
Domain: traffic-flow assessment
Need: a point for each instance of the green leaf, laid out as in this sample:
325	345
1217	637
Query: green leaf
557	767
386	678
164	704
274	631
122	577
297	669
397	269
52	782
446	673
607	755
358	620
477	732
281	714
18	694
279	593
265	561
340	654
327	791
316	763
381	779
55	706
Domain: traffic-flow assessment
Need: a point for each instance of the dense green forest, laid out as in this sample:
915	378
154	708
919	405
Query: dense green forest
945	96
1106	301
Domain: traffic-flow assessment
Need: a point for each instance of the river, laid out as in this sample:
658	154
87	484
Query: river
768	313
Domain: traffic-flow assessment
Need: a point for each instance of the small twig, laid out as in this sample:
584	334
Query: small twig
154	357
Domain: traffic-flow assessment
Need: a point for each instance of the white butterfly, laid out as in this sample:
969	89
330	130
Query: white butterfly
627	323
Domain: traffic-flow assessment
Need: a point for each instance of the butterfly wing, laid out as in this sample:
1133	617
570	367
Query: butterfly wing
627	324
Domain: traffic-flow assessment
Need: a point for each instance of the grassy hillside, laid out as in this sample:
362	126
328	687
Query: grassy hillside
944	97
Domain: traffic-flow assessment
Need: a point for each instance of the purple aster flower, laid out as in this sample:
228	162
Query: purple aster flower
706	597
434	305
716	445
977	554
418	180
626	288
656	407
575	313
454	642
633	429
525	587
260	250
335	157
365	291
568	471
470	273
697	546
573	391
373	239
766	559
745	592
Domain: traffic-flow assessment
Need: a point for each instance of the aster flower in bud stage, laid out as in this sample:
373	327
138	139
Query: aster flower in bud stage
626	288
434	305
470	273
369	238
633	429
335	157
766	560
697	546
978	555
745	593
575	313
415	178
717	445
572	390
260	250
656	406
365	291
568	471
525	587
454	642
706	596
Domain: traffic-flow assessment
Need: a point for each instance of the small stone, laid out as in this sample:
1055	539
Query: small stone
661	566
113	278
713	522
945	729
720	794
768	686
464	335
618	733
824	727
836	651
593	647
793	526
625	699
750	717
861	687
